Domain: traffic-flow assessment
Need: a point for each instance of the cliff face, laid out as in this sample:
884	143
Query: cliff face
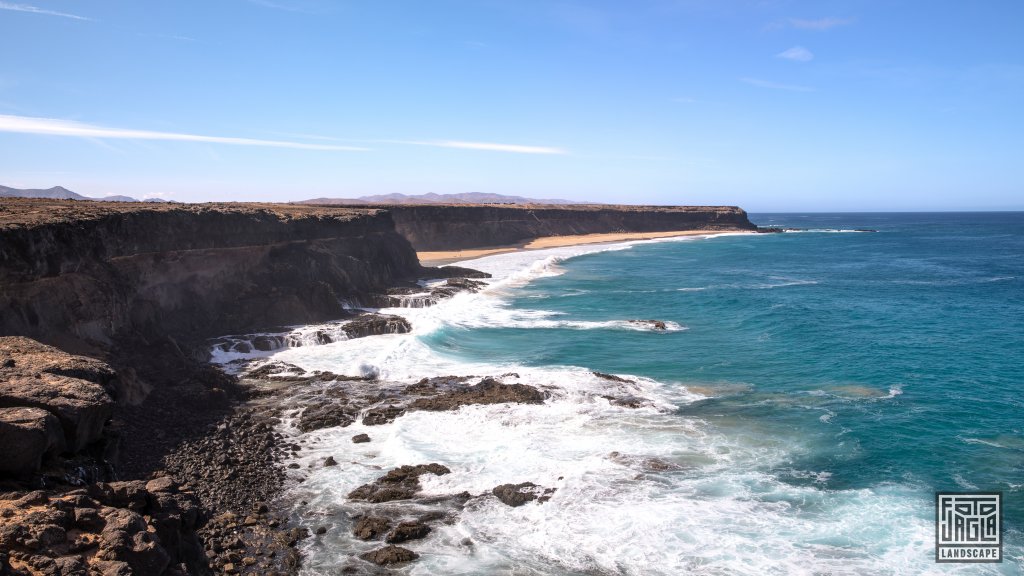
478	226
84	276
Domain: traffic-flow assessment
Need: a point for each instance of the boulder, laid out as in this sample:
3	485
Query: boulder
361	438
126	539
27	435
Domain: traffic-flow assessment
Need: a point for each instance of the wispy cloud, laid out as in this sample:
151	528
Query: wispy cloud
491	146
37	10
57	127
796	54
819	23
776	85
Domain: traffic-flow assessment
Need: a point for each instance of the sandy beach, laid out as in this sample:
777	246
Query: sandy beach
440	258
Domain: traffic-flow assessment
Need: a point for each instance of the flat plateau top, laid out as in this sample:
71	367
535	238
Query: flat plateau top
31	212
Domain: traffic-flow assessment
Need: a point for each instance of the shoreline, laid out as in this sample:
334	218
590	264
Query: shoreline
443	257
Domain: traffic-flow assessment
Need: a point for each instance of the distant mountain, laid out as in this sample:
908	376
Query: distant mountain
431	198
57	192
62	193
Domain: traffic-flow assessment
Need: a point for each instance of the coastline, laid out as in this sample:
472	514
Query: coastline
223	445
442	257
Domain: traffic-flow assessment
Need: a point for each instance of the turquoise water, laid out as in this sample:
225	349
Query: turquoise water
813	390
874	358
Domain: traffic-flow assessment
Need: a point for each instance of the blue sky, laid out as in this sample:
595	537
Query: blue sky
770	105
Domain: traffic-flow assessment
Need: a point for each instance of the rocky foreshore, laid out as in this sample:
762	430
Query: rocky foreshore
209	451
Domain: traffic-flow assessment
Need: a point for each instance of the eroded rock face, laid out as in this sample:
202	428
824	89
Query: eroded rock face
488	391
27	435
90	273
51	401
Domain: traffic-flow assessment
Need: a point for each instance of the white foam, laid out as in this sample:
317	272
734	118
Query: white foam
227	350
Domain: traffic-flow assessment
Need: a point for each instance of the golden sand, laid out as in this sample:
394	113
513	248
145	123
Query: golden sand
447	257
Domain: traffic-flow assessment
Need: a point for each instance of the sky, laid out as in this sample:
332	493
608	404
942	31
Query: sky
771	105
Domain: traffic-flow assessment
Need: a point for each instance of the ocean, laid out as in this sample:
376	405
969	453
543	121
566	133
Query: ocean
810	393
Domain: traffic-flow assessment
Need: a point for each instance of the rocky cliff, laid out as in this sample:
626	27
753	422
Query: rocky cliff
460	227
84	276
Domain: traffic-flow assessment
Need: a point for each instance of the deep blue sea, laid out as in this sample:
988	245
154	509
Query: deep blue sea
811	393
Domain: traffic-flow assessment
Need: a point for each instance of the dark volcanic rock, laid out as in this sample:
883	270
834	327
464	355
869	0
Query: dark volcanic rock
400	483
613	378
361	438
376	324
271	368
455	285
430	273
382	415
488	391
370	527
652	324
326	415
519	494
405	531
389	555
631	402
435	384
